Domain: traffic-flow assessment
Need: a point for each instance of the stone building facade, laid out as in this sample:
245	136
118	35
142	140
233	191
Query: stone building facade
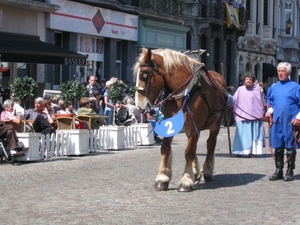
122	28
272	37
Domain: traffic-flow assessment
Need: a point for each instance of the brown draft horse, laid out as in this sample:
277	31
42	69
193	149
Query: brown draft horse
166	69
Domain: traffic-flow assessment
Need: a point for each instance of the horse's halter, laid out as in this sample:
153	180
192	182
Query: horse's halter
146	75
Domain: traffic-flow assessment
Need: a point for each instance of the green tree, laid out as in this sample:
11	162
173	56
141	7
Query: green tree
72	91
24	88
117	91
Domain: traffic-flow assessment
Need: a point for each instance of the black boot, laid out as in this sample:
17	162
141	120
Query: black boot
289	176
279	165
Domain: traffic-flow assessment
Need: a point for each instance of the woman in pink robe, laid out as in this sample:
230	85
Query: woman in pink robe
249	110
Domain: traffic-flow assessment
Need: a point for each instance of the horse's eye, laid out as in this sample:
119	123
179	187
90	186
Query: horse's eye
145	75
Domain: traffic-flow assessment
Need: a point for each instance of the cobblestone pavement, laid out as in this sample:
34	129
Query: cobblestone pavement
116	187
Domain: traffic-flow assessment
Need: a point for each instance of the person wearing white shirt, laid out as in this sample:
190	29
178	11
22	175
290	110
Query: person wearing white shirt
18	109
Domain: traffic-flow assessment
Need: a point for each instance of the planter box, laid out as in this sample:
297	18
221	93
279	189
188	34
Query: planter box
144	137
32	141
112	137
77	141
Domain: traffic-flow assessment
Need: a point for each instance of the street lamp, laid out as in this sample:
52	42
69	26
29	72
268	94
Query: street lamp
289	24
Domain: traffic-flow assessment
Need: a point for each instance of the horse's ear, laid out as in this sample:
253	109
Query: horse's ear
144	51
148	55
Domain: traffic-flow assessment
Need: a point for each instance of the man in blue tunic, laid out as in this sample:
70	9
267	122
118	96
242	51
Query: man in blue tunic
284	101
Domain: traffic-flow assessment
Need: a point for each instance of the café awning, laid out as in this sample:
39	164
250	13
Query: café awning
29	49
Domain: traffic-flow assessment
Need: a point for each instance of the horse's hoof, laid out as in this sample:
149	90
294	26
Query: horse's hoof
161	186
183	188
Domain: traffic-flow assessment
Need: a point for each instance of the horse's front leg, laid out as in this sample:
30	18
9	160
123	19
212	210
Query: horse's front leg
191	171
164	175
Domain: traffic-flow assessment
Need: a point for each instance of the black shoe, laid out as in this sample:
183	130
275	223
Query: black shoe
278	175
289	176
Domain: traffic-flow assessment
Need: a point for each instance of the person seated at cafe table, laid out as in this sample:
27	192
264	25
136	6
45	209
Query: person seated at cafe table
42	120
7	131
86	110
96	103
52	113
50	108
63	107
66	108
8	112
17	105
54	103
70	109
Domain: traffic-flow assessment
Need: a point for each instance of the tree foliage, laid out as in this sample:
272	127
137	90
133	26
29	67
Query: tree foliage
72	91
117	91
24	88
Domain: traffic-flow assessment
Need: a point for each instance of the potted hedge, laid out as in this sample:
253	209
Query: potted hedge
24	88
117	91
72	91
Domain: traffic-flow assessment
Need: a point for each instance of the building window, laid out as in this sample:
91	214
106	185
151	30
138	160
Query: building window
249	11
216	55
203	45
257	16
119	60
266	12
57	69
94	47
288	15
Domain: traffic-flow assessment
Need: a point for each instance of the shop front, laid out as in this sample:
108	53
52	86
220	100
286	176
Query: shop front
108	38
25	49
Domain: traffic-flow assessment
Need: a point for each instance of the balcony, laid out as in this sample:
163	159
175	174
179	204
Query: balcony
174	10
190	8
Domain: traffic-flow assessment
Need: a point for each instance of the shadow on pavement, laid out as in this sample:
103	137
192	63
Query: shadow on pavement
241	157
230	180
23	163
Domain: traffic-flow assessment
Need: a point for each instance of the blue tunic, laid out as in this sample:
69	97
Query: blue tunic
284	98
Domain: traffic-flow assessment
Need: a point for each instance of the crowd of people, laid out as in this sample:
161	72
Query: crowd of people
42	117
101	103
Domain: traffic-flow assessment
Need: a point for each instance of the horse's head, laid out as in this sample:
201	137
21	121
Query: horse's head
150	79
158	70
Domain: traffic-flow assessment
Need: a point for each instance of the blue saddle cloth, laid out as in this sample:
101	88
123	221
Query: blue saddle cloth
169	127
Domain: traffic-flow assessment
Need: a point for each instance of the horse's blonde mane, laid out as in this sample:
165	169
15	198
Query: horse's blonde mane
172	59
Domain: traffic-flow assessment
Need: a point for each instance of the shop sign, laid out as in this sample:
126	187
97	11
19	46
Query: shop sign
75	61
85	19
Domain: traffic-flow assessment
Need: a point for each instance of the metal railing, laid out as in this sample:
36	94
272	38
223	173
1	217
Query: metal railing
202	8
